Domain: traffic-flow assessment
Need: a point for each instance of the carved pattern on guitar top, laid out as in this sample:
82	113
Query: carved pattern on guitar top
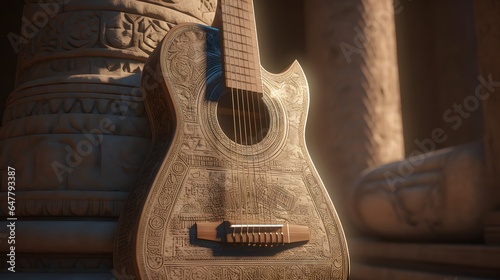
195	182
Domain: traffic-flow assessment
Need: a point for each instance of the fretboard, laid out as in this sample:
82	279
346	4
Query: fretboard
240	46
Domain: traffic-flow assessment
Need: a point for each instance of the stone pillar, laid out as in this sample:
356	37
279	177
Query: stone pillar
435	194
488	43
75	129
438	72
356	117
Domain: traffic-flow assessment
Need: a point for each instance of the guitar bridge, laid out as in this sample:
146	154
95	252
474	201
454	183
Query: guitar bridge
252	234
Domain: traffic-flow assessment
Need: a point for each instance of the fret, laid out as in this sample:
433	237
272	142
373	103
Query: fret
240	46
243	57
239	49
228	4
238	38
242	70
235	28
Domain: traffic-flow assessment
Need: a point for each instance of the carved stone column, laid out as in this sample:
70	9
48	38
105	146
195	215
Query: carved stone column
356	117
488	41
75	129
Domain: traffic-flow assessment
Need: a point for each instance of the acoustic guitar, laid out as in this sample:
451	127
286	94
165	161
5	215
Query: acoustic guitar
228	190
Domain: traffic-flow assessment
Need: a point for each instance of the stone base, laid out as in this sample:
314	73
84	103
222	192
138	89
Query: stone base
61	237
371	259
60	249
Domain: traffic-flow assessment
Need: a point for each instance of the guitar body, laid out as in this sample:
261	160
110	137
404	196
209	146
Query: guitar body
195	173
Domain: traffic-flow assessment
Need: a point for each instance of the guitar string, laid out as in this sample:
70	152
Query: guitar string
241	173
247	142
251	28
252	113
266	161
241	122
229	76
256	64
244	141
242	132
244	111
246	65
256	99
244	138
267	177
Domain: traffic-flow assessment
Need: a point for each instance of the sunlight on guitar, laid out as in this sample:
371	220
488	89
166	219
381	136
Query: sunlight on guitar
228	190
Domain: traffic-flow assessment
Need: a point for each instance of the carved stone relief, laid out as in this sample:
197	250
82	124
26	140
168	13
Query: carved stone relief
77	111
435	196
75	127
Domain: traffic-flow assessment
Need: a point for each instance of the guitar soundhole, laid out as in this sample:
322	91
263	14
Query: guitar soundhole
243	117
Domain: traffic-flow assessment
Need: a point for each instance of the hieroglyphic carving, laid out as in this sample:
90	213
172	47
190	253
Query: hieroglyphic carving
128	35
214	183
127	30
95	98
80	65
205	161
263	271
202	9
75	124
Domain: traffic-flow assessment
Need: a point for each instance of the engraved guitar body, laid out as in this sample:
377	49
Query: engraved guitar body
213	204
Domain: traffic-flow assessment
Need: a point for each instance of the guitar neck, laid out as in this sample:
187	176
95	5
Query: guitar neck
240	46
